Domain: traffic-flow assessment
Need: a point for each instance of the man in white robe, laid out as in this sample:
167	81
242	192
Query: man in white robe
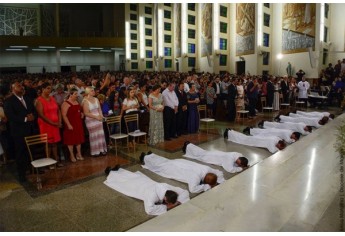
287	135
155	195
272	143
198	177
315	114
297	127
315	122
232	162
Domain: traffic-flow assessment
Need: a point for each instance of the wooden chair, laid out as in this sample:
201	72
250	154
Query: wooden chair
203	109
299	104
282	104
116	120
136	133
241	114
264	105
35	141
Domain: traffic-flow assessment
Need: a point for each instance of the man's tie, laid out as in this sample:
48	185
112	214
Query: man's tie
23	102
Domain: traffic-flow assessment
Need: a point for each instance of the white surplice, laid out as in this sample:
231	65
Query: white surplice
308	121
297	127
254	141
182	170
139	186
225	159
284	134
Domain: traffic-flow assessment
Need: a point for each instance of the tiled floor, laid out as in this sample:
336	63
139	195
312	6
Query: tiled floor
86	204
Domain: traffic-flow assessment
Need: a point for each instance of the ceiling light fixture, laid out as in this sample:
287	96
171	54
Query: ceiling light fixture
18	46
39	49
46	47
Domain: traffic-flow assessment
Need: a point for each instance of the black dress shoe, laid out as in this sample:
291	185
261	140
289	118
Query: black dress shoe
174	137
261	124
184	148
226	133
246	130
277	118
167	139
107	170
142	157
116	168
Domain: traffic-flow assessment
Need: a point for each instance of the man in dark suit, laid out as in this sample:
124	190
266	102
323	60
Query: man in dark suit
270	92
300	75
181	115
19	110
218	99
232	94
252	94
284	85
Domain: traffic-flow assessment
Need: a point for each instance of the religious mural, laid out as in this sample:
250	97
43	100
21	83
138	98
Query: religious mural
298	27
206	29
245	28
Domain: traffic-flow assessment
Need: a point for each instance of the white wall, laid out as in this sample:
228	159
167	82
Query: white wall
34	61
337	32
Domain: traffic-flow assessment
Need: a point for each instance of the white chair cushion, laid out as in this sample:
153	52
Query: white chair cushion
43	162
207	119
118	136
136	134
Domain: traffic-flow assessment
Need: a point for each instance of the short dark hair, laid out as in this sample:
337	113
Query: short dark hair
45	85
244	161
297	135
325	119
309	128
155	87
322	122
171	196
282	143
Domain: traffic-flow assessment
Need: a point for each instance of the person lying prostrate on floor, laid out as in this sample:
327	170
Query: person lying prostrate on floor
319	117
316	114
272	143
298	127
158	197
315	122
232	162
198	177
287	135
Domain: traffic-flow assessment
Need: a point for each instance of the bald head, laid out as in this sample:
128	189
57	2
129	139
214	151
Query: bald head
210	179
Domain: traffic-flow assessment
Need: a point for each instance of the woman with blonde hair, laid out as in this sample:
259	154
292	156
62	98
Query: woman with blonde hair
94	123
131	106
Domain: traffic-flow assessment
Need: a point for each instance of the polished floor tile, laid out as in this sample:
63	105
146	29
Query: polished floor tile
293	190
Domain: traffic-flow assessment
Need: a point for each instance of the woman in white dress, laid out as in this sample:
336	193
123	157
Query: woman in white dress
276	95
94	123
156	128
240	95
